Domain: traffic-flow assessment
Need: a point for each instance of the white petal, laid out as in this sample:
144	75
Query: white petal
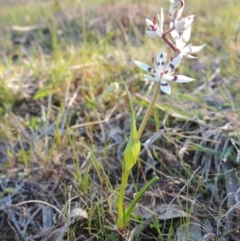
149	22
177	78
190	56
154	29
184	38
160	61
184	23
177	6
151	78
165	87
193	49
173	64
144	66
180	6
161	20
153	34
174	33
179	13
186	35
171	12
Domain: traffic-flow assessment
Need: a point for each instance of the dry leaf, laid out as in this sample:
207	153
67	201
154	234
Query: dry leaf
161	212
191	231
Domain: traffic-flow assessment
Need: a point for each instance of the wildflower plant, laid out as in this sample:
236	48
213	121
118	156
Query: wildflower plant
161	73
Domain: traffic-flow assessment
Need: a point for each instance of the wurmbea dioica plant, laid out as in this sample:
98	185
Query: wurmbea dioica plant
162	74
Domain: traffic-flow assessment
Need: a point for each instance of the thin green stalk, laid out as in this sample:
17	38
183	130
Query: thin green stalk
149	109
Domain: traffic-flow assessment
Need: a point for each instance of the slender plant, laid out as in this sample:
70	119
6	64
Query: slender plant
162	74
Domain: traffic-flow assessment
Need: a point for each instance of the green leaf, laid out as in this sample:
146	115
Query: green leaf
132	205
131	154
200	148
125	215
42	93
121	222
133	147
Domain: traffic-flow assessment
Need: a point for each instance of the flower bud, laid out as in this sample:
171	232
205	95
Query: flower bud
176	9
184	23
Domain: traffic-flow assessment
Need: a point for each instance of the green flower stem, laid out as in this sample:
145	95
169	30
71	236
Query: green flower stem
149	109
121	223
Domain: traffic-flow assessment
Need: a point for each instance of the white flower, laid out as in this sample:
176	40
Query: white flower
184	23
176	9
182	39
156	29
175	13
163	74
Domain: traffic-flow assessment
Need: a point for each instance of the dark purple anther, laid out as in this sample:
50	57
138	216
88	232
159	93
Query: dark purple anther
175	78
152	27
171	66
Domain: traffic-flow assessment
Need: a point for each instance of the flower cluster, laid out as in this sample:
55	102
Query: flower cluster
180	30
